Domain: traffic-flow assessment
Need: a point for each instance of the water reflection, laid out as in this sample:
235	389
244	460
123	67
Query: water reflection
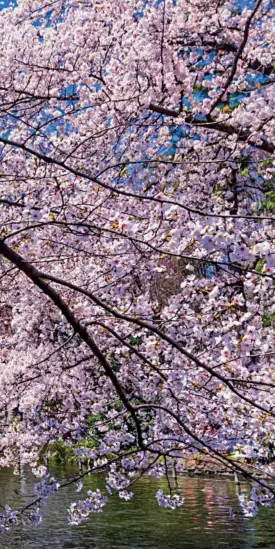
204	523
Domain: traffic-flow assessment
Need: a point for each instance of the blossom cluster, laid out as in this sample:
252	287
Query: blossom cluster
260	495
174	501
80	511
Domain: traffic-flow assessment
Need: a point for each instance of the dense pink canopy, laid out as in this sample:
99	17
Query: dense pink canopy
137	256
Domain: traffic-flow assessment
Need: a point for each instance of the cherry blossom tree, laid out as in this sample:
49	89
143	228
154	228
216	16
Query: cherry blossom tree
136	253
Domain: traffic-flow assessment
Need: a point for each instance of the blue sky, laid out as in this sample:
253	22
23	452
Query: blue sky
6	3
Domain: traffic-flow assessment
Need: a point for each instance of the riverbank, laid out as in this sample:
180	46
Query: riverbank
193	466
208	467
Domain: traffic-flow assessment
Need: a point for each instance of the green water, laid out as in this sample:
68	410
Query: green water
204	522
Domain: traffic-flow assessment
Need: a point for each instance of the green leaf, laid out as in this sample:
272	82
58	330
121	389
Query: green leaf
268	320
260	265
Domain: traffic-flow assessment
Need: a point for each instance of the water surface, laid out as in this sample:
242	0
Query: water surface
205	522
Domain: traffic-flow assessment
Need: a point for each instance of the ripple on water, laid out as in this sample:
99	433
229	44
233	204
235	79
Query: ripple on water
204	522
